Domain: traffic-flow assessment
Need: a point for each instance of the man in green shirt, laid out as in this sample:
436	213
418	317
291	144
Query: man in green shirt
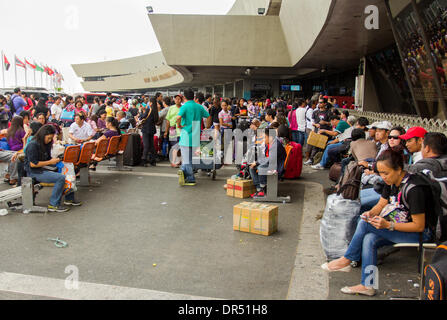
189	120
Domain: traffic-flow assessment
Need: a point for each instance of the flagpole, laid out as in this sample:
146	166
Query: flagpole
3	69
15	68
26	75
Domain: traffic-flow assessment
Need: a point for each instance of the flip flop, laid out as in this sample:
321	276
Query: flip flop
368	292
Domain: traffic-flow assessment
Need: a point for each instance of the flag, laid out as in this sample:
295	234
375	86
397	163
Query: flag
7	64
30	64
20	63
49	71
38	68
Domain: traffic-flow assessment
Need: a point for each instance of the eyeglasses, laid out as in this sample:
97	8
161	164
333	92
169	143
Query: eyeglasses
394	138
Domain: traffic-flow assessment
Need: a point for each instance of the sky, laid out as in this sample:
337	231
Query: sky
59	33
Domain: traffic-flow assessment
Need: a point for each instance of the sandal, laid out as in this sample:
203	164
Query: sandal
368	292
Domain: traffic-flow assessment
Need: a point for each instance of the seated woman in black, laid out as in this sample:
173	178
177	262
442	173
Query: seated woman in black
37	157
399	217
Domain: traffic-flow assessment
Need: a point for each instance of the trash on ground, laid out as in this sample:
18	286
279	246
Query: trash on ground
3	212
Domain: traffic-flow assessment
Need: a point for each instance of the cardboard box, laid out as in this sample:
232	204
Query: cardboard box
255	217
317	140
240	188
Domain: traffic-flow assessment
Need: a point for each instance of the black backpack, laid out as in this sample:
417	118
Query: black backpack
10	104
435	275
438	187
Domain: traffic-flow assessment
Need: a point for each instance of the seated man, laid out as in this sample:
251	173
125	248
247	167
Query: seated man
124	124
274	150
80	131
340	145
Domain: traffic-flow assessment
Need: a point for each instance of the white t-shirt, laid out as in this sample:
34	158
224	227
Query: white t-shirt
301	119
83	132
56	111
309	118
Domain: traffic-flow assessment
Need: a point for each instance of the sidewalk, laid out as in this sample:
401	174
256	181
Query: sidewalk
397	275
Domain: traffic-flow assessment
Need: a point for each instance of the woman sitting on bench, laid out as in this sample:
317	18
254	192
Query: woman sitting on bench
113	130
406	216
38	164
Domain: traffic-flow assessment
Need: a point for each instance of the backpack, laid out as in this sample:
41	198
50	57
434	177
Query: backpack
350	183
435	275
438	187
10	104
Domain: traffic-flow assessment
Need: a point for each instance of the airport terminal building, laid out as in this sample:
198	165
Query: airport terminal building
389	55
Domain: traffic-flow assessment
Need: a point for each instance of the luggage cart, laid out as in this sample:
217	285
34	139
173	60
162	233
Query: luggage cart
204	160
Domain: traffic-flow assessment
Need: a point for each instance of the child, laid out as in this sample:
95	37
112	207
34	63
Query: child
260	168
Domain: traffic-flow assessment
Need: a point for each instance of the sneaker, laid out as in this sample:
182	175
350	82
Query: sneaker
308	162
318	167
190	183
260	194
72	203
181	178
254	194
57	209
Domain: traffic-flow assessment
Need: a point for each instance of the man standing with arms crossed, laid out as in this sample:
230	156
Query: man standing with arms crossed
188	120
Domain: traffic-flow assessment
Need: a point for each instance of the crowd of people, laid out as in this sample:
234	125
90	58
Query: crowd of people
389	155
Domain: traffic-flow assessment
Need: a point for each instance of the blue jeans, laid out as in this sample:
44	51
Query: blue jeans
299	137
259	181
187	167
368	239
59	182
325	161
368	198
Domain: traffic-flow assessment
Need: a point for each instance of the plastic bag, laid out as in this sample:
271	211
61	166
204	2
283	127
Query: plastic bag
338	225
70	178
57	150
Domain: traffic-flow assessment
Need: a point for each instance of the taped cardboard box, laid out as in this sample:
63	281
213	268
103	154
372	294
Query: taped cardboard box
240	188
317	140
255	217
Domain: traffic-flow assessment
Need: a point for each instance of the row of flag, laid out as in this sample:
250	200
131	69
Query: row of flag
33	66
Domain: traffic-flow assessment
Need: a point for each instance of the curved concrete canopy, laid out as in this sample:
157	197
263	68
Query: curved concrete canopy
305	36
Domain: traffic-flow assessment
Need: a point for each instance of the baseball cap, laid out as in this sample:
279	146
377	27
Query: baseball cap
384	125
415	132
178	95
374	125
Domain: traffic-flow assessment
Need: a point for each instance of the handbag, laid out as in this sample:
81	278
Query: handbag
394	212
67	115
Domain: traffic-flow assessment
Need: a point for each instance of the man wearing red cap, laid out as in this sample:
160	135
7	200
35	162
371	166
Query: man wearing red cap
414	139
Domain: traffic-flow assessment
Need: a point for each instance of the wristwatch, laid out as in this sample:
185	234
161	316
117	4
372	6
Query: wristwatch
391	227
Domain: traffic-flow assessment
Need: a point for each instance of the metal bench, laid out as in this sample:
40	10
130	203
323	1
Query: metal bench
272	191
119	157
25	193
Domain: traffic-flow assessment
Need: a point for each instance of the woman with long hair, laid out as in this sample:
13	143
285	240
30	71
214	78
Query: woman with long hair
149	116
37	163
399	217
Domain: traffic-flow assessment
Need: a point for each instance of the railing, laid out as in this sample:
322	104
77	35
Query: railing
405	120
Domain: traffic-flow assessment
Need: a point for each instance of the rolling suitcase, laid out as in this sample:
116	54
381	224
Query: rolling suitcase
294	161
133	153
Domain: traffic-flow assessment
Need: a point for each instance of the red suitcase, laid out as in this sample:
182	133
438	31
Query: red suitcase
294	161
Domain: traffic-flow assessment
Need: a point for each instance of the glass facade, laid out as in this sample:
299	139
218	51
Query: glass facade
420	30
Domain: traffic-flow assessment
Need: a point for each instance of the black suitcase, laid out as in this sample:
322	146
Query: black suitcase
133	153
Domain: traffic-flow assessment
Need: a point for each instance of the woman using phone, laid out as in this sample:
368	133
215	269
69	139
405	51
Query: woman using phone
397	218
38	163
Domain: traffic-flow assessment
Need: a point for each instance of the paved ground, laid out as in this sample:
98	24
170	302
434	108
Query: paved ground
131	221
